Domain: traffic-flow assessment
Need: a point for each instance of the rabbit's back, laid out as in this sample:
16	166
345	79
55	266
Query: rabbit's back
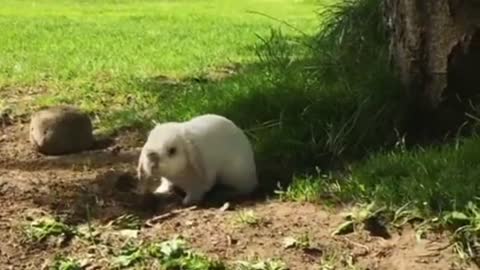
218	138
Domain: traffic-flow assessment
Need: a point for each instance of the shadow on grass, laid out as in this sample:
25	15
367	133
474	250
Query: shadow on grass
296	122
271	116
306	105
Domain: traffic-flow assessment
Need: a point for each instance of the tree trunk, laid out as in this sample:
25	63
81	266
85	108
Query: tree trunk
435	48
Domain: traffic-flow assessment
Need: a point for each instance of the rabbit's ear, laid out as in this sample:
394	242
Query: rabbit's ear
193	155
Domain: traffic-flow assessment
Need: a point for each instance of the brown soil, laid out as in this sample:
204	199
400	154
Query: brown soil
32	185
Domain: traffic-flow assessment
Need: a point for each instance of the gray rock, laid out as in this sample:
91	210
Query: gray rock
61	130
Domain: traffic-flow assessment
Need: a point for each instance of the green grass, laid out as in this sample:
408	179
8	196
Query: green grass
42	228
302	242
172	254
442	178
315	101
79	41
365	124
247	218
435	179
296	101
133	253
65	263
97	55
270	264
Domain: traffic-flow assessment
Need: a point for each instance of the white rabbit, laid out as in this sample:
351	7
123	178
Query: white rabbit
194	155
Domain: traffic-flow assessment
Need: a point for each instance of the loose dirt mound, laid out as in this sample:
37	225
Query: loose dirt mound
86	188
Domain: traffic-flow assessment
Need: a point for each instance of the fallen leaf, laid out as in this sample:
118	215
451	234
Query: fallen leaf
289	242
129	233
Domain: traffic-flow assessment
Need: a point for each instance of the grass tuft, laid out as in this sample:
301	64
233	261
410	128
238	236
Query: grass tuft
308	100
467	231
435	179
42	228
127	221
247	217
170	255
270	264
65	263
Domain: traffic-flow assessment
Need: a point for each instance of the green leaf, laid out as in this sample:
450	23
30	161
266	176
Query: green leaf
456	216
344	228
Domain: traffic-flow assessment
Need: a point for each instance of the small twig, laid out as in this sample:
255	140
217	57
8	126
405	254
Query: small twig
167	215
90	232
440	248
152	221
430	254
229	240
89	224
367	249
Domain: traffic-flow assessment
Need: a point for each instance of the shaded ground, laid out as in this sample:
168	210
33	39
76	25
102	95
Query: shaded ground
86	187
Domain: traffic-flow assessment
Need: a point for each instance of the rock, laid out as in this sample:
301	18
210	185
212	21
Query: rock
61	130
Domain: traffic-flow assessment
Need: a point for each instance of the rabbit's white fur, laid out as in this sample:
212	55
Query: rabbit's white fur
194	155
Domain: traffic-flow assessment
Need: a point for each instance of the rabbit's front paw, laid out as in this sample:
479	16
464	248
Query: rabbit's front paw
164	188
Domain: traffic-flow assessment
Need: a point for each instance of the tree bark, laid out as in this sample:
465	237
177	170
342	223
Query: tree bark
435	50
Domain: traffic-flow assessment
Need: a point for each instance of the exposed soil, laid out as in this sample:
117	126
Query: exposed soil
94	186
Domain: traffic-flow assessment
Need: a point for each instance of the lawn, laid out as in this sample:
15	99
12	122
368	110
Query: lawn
96	55
319	105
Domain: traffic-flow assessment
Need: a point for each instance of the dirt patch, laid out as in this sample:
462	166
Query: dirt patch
94	188
17	101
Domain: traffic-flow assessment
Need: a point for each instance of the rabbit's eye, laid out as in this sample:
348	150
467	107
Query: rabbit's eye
172	151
